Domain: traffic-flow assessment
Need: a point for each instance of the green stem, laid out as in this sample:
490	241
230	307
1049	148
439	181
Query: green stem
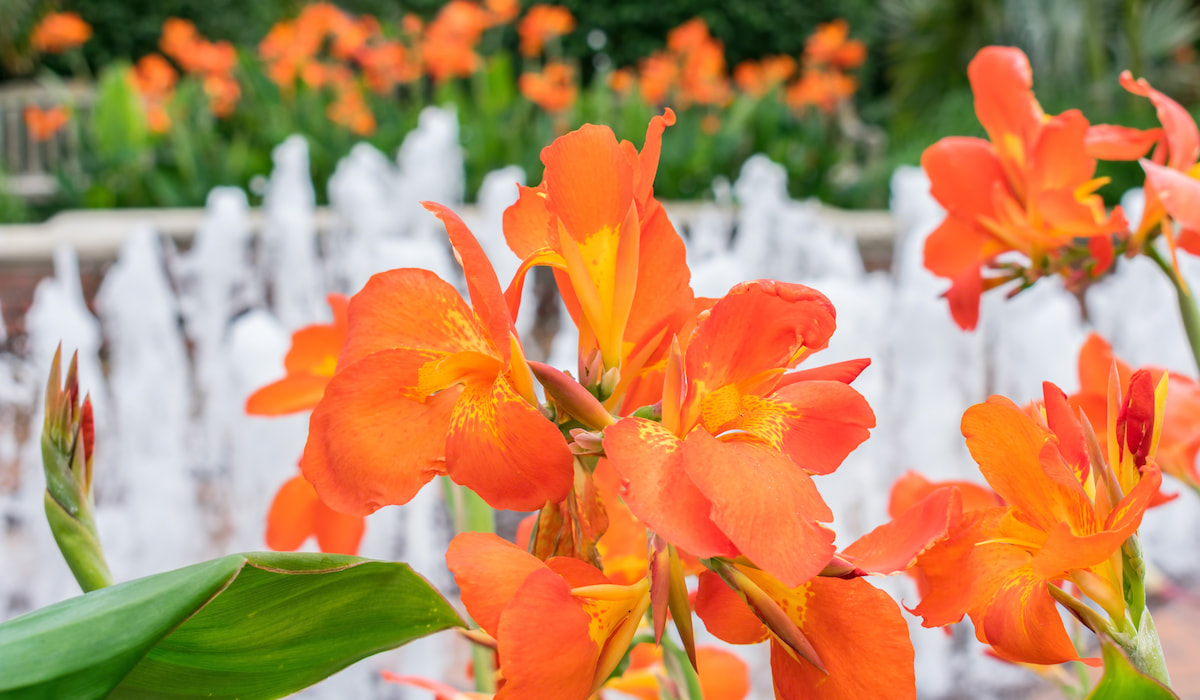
1145	651
471	513
1188	311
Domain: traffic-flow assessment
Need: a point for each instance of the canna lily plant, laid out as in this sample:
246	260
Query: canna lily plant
673	473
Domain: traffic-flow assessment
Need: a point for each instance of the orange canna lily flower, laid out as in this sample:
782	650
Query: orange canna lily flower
351	111
822	89
854	630
723	676
59	31
1180	438
1029	189
561	626
502	11
297	513
427	385
448	50
729	469
543	23
1065	517
758	78
43	124
619	263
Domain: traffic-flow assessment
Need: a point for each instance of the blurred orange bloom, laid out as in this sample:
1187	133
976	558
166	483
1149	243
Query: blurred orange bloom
553	89
757	78
541	24
622	80
60	31
448	49
692	65
350	110
1029	189
43	124
657	74
502	11
213	62
831	46
154	79
821	89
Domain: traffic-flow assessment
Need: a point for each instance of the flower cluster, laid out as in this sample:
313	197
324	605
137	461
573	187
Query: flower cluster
686	444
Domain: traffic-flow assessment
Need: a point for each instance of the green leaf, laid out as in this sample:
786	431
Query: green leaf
1122	681
258	625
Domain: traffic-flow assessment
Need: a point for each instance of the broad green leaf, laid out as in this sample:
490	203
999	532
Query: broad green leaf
257	625
1122	681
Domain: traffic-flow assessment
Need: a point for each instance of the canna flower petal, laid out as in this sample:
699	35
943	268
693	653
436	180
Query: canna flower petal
505	450
845	372
288	395
649	461
487	299
1023	623
895	546
963	171
1056	161
489	572
412	309
860	636
912	488
1178	192
370	443
725	614
767	506
541	660
1002	81
786	322
1113	142
297	513
1182	136
1007	445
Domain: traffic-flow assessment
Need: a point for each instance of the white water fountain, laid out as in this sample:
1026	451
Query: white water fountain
184	474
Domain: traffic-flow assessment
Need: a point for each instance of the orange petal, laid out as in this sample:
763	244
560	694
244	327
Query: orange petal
489	571
764	503
1058	159
528	225
545	648
825	421
845	372
1113	142
1023	624
292	518
648	460
296	392
416	309
895	546
1183	138
912	488
963	171
861	638
758	326
505	450
369	443
723	675
959	573
963	297
486	296
589	181
725	614
315	350
651	150
1002	82
1007	445
1179	193
339	533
